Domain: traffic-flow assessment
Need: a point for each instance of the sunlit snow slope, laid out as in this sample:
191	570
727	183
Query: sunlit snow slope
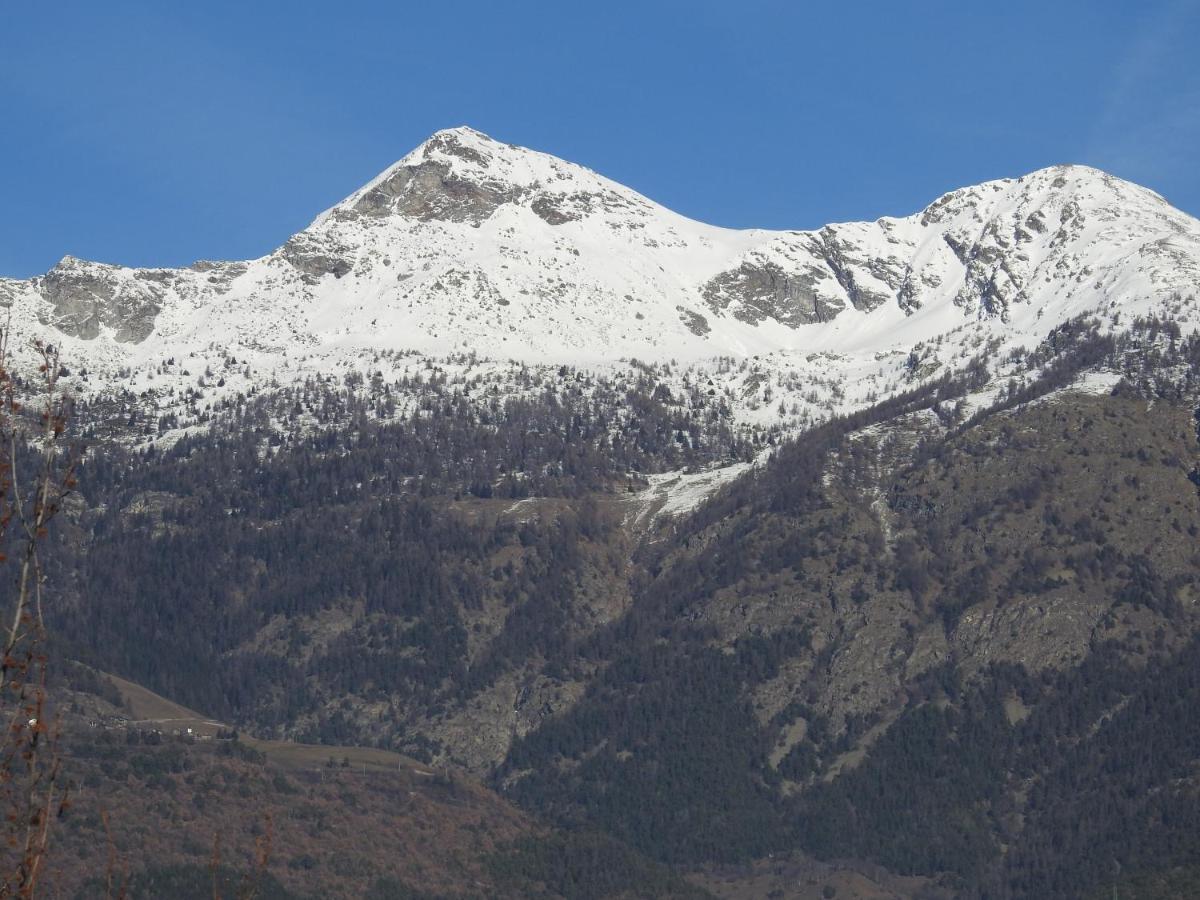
469	244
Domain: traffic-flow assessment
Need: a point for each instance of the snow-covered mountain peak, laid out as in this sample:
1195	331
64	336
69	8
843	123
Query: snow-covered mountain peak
462	175
468	244
1057	186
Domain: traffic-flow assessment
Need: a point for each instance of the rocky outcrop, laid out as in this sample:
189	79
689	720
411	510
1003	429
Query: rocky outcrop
430	191
220	275
555	209
8	292
81	298
758	290
315	259
990	284
845	260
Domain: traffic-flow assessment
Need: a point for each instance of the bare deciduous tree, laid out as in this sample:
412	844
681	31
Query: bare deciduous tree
34	478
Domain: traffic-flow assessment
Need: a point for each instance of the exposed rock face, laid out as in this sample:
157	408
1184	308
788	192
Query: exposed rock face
806	278
573	206
556	210
754	292
83	297
845	258
478	735
990	284
316	259
432	188
431	192
219	275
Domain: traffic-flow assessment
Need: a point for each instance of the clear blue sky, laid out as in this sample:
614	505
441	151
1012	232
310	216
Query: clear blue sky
157	133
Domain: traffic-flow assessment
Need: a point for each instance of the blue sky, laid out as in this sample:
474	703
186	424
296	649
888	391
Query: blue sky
160	133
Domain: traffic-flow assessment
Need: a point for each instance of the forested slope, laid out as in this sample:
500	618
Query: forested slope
952	634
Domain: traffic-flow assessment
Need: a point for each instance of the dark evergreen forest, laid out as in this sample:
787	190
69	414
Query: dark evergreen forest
330	564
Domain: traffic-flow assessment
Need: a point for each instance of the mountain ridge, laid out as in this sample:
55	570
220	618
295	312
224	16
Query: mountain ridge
477	262
565	264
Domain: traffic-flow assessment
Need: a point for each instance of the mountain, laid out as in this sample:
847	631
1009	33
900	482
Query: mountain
864	553
469	245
